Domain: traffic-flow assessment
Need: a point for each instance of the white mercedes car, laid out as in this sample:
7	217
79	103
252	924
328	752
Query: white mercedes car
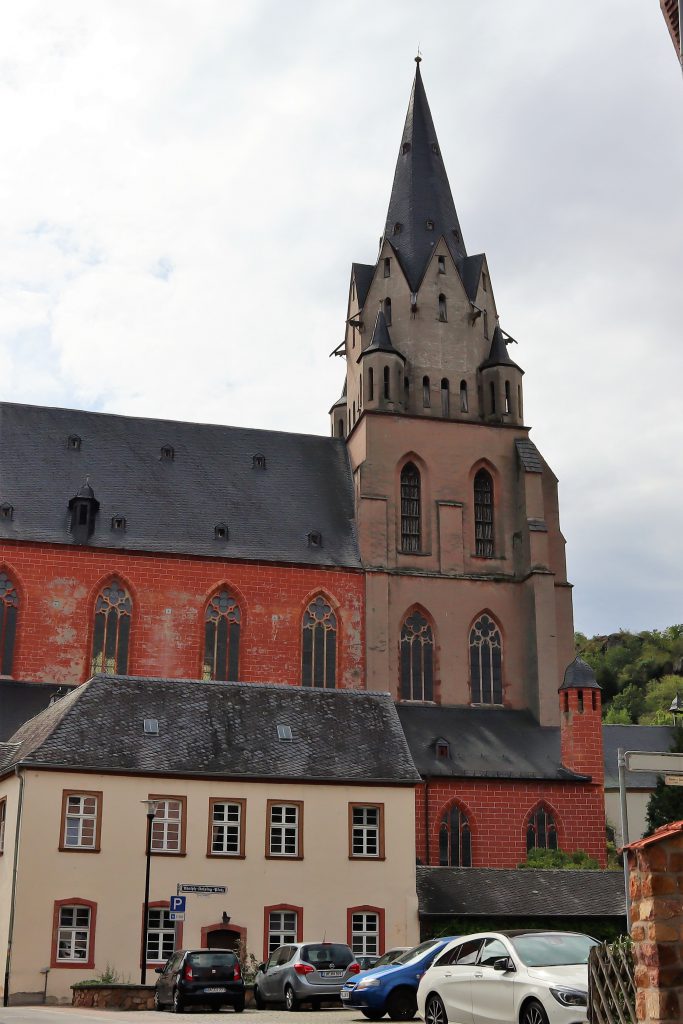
516	977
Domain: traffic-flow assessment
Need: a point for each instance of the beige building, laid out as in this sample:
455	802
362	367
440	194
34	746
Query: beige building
639	785
309	825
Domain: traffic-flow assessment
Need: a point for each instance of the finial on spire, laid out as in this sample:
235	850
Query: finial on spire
419	55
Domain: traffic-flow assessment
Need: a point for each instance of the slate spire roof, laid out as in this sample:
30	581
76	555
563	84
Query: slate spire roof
579	674
498	354
421	208
381	339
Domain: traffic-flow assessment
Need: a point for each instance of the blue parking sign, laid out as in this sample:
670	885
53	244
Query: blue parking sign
177	904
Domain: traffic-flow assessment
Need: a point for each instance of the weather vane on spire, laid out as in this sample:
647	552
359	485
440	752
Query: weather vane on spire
419	54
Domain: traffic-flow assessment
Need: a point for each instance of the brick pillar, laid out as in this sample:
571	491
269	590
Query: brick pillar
656	885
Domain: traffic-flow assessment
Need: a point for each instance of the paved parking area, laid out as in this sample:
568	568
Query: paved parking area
69	1015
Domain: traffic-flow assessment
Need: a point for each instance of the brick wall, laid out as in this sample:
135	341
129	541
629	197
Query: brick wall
498	811
57	588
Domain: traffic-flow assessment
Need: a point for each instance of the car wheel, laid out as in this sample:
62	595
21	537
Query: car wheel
402	1004
373	1014
238	1005
291	1002
178	1004
157	1003
533	1013
259	1001
435	1011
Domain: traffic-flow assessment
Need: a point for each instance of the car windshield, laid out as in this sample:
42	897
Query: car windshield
417	952
327	954
212	959
392	957
552	949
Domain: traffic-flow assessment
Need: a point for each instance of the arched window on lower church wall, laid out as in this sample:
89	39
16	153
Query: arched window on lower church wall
455	839
9	610
541	831
111	630
417	658
319	645
486	662
222	624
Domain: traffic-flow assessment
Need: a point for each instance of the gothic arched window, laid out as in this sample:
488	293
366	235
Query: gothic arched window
483	514
410	508
486	662
111	632
541	832
319	645
9	608
222	621
455	839
417	658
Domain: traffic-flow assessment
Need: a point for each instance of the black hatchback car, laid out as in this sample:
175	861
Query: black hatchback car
210	977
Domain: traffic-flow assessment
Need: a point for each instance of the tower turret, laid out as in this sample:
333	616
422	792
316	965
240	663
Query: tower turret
382	384
501	384
581	720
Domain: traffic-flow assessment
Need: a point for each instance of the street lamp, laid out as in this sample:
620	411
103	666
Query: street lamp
151	811
676	707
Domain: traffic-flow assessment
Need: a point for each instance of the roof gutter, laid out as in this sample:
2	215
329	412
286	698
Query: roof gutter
13	896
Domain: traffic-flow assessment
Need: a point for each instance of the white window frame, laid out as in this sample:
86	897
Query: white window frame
283	833
365	932
163	823
162	928
74	932
228	830
76	815
278	933
363	832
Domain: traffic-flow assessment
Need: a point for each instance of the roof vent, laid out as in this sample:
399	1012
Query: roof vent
6	511
397	227
258	461
315	539
405	148
118	523
284	732
435	148
151	726
429	224
73	443
443	749
220	531
167	453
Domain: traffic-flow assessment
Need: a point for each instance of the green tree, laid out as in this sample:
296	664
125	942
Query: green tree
666	803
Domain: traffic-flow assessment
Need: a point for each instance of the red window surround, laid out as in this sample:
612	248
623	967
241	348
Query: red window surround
366	910
299	911
81	965
151	964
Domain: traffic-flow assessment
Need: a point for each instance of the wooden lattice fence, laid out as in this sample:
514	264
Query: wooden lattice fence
611	984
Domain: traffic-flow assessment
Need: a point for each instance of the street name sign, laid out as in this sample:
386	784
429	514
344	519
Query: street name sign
673	780
653	761
202	889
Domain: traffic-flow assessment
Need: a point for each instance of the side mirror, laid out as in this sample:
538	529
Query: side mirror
262	968
504	963
158	970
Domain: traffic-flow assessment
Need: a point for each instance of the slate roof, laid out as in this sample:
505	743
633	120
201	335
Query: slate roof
529	455
657	738
497	892
484	742
498	353
579	675
174	505
421	193
223	730
21	701
363	274
381	340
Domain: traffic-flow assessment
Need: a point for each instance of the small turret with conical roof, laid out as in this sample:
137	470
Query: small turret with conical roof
501	384
382	383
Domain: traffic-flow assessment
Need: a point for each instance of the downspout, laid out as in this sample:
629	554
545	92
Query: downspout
13	897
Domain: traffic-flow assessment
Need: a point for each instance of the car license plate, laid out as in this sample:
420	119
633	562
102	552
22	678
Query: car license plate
344	994
215	990
331	974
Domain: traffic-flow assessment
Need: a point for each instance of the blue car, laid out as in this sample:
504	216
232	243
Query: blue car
392	989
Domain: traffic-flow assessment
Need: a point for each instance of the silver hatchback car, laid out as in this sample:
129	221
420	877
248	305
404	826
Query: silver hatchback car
307	972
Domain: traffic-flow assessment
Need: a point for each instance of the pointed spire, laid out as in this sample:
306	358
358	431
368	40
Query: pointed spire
381	339
421	208
498	355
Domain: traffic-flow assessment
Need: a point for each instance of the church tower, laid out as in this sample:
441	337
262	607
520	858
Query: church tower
466	591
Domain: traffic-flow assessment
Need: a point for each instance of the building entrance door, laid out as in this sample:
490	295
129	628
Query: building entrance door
223	938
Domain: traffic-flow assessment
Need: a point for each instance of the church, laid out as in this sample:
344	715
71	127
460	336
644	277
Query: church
415	552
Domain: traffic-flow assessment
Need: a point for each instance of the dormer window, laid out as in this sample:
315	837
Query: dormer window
429	224
435	148
167	453
443	749
6	511
284	732
73	443
118	523
220	531
151	726
315	539
405	148
397	227
258	461
83	507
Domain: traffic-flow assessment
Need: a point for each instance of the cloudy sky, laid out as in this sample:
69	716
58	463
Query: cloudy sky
184	184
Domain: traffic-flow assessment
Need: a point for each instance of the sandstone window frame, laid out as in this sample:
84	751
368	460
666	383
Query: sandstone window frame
417	649
319	648
366	838
410	485
63	928
163	825
240	824
222	636
486	661
111	628
359	936
288	831
484	495
273	931
86	820
162	931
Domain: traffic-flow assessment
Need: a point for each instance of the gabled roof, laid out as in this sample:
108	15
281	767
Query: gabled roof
173	504
528	892
655	738
484	743
20	701
363	274
470	273
222	730
498	353
674	828
381	340
421	194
